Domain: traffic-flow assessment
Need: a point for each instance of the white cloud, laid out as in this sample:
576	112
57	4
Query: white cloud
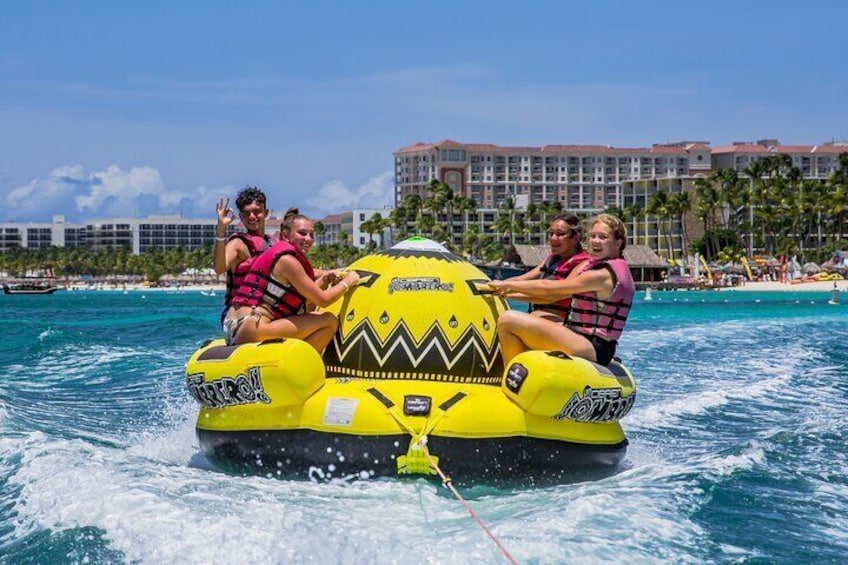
336	196
82	195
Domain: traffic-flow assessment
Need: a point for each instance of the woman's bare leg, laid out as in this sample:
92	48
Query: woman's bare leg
317	329
519	332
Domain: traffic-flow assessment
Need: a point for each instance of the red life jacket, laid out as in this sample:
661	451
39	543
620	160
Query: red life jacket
261	288
256	244
591	316
557	270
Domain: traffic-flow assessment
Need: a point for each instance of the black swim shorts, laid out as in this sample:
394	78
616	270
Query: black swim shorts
604	350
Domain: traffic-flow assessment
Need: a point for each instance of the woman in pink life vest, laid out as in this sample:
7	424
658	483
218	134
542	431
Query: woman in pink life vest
235	254
565	236
272	301
601	291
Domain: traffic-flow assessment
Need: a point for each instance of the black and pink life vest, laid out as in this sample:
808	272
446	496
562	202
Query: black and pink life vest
592	316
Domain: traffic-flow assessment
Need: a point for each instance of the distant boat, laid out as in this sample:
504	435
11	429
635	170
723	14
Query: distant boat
207	293
29	288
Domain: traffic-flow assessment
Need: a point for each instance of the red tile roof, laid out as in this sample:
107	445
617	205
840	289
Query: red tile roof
331	219
831	149
750	148
562	150
794	148
747	148
697	147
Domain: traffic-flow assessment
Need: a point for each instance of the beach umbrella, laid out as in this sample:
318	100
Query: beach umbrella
731	269
810	268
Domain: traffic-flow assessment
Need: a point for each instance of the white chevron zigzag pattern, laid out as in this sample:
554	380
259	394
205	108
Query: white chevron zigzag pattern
414	351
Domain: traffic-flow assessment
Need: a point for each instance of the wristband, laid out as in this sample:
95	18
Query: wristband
344	284
220	238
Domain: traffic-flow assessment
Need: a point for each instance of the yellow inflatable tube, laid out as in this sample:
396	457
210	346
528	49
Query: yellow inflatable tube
413	376
268	407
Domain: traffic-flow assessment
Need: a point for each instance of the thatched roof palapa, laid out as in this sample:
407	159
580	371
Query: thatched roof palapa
636	256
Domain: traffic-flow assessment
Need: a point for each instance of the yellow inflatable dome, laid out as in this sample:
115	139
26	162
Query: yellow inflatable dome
420	312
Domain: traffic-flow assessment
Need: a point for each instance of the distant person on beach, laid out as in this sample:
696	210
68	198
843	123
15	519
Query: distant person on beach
235	254
601	291
565	236
272	301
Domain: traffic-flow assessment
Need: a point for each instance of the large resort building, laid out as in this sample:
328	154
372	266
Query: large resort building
581	177
585	179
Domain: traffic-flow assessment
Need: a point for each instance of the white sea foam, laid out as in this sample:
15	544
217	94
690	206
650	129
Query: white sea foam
46	334
95	364
670	412
154	512
174	442
753	455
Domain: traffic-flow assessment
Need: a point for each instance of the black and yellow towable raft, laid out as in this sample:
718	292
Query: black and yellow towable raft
413	379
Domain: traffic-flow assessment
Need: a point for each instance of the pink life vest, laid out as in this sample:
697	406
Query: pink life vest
256	244
558	271
260	287
592	316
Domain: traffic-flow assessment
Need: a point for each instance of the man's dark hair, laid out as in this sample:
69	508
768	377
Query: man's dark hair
250	194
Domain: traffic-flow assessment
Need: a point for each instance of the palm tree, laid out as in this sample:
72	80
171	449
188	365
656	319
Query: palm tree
320	230
442	199
369	227
397	220
681	204
413	205
630	215
755	172
465	206
425	225
533	220
380	224
658	206
471	242
505	223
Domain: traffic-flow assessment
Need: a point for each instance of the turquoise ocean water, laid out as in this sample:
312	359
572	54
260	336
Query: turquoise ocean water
737	454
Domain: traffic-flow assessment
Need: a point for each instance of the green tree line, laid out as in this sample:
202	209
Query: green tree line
770	209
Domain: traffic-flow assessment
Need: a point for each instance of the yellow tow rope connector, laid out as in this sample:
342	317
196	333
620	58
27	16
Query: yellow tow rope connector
417	460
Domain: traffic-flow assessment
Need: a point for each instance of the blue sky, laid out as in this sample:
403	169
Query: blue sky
115	109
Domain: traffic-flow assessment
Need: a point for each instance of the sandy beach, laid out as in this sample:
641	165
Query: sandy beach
815	286
134	287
